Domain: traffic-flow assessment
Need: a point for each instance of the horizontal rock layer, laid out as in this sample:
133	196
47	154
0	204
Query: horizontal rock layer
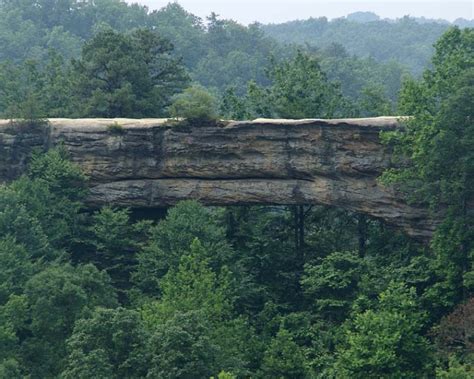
147	163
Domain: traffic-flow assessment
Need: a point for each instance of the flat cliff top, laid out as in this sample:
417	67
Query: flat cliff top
385	122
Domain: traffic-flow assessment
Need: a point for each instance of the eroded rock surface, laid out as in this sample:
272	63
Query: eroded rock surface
145	163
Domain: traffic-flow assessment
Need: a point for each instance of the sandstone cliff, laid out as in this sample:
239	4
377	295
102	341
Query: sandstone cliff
147	163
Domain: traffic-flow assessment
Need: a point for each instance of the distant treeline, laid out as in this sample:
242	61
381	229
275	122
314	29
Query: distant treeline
408	41
221	55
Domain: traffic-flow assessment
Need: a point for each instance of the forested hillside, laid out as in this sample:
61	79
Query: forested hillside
39	39
407	40
235	292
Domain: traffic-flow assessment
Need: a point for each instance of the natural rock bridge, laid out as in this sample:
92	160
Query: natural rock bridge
145	163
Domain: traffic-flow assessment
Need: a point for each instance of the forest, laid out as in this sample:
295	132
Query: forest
239	291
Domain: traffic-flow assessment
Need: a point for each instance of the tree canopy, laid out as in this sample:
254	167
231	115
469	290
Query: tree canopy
236	292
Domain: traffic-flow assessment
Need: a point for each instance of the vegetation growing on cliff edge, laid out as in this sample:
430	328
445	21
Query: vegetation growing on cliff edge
195	106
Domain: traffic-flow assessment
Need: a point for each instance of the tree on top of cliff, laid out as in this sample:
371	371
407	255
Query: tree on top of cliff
196	105
299	89
133	75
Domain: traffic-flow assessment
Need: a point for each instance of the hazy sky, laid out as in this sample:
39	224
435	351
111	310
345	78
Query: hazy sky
266	11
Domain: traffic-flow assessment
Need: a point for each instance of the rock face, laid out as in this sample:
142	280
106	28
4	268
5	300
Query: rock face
146	164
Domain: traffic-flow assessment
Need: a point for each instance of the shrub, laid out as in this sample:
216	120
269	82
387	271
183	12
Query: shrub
116	129
195	105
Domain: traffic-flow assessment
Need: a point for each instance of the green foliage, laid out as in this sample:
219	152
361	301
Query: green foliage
182	348
115	242
235	54
224	375
332	284
299	89
110	343
190	344
386	342
192	287
194	290
439	163
196	105
283	358
373	102
10	368
79	288
269	265
56	171
44	90
22	99
172	238
52	301
232	105
243	291
131	75
185	30
9	348
218	53
56	91
116	129
194	300
456	370
41	210
438	138
405	40
17	268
